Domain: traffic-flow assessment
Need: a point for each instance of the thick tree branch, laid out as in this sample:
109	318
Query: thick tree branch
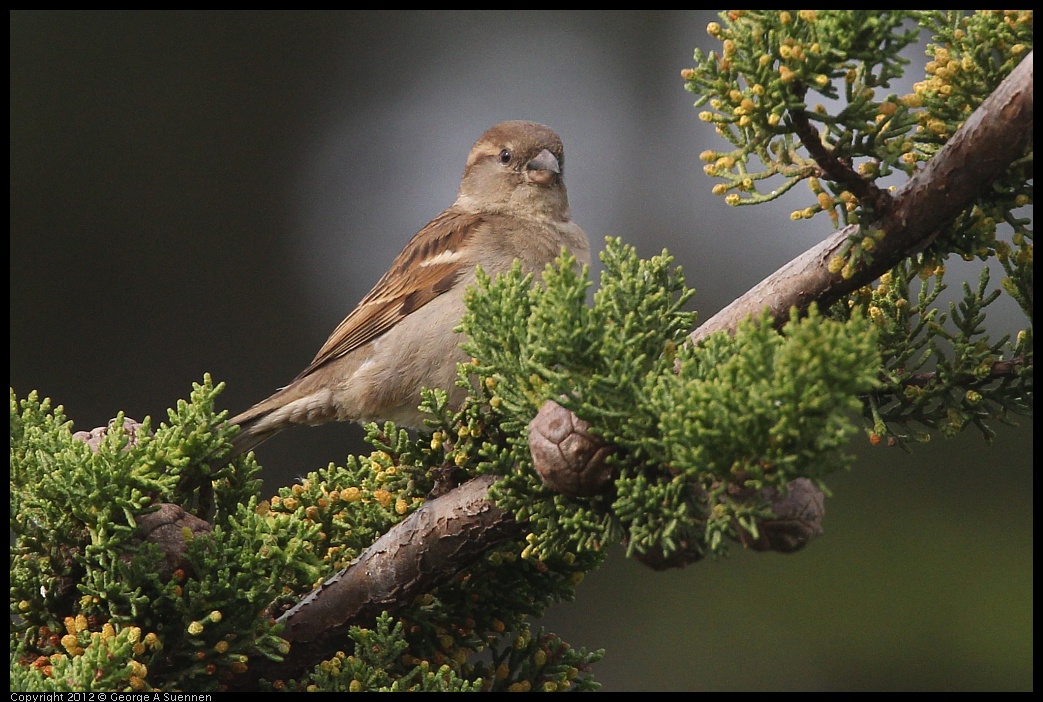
446	535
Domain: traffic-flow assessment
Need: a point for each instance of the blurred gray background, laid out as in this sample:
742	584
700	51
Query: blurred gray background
213	192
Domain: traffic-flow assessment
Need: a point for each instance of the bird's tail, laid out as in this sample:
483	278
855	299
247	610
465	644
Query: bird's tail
294	405
255	426
247	439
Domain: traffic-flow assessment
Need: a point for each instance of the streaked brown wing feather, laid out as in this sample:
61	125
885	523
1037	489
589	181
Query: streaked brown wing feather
396	294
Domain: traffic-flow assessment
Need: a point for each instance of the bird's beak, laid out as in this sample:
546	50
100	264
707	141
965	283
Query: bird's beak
543	168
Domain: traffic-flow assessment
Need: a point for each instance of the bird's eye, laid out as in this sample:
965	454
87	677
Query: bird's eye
505	156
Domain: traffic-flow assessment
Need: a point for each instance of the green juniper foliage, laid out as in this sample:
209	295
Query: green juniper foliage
942	371
376	654
699	432
376	665
760	86
751	410
81	579
93	607
85	587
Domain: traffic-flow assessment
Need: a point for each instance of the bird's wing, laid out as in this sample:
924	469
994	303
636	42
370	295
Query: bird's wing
428	266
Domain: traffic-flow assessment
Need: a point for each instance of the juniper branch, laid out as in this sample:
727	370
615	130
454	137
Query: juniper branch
995	134
833	168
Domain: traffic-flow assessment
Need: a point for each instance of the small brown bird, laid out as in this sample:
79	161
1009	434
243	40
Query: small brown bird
512	204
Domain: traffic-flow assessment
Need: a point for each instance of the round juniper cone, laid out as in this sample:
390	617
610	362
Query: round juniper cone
569	459
686	554
166	527
93	437
798	519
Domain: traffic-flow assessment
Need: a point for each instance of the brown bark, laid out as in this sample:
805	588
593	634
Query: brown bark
446	535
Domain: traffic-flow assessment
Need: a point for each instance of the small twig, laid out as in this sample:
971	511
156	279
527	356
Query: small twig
834	169
1000	369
